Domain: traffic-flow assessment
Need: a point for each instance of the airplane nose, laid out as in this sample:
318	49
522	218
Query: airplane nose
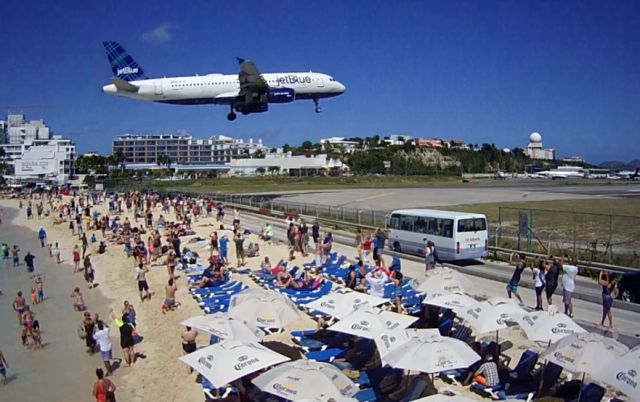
340	88
109	89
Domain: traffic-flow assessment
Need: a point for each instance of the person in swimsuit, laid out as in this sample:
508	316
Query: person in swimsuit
19	304
126	340
36	335
78	300
170	296
88	271
3	368
189	336
102	387
608	289
283	279
171	264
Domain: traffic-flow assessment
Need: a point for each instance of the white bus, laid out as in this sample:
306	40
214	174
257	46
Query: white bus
457	235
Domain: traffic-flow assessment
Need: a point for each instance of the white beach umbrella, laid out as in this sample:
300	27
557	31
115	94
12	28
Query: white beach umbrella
440	281
622	374
264	308
453	301
224	326
584	352
368	322
429	352
547	326
341	304
229	360
304	379
485	317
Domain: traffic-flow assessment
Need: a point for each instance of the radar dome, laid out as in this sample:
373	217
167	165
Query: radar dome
535	137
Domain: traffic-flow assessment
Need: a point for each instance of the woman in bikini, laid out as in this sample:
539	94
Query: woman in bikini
103	388
189	336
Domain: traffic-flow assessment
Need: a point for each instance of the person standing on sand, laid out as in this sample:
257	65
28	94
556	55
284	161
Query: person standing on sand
170	296
171	264
76	258
55	252
126	338
85	244
19	304
103	389
42	235
89	274
102	338
28	259
3	368
512	286
189	336
15	255
143	286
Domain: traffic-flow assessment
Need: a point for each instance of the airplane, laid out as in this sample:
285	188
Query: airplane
247	92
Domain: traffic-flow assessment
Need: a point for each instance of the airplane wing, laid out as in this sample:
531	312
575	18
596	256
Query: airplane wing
251	81
124	85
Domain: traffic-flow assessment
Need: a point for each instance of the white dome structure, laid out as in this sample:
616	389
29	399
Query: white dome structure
535	137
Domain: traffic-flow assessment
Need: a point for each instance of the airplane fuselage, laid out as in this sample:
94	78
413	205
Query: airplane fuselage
221	89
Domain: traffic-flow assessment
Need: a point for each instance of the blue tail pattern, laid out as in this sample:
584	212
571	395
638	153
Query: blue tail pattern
122	64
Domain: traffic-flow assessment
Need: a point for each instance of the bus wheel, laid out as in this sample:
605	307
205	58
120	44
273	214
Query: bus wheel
396	247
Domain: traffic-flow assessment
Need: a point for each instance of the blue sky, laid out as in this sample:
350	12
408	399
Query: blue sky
481	71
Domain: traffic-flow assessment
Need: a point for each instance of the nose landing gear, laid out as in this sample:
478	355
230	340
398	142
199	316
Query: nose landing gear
318	108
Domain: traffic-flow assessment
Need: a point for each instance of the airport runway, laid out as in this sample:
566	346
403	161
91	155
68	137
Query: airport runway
396	198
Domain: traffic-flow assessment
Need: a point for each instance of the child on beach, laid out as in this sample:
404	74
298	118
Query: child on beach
78	300
34	296
40	288
36	335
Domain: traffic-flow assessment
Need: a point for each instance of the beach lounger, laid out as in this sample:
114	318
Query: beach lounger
445	327
521	373
325	356
366	395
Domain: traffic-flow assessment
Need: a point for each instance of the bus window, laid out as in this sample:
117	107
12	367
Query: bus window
448	228
432	226
471	225
394	222
420	225
406	223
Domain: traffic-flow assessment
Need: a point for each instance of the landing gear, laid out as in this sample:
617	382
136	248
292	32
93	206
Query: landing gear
318	108
231	116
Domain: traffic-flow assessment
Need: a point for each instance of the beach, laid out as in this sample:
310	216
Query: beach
159	376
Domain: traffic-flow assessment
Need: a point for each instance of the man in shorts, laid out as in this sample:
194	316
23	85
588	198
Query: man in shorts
101	336
19	304
143	286
512	286
570	271
28	259
170	296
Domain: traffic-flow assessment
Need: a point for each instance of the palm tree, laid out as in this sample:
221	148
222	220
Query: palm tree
260	171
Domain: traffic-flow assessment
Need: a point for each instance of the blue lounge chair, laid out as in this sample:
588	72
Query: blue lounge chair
445	327
366	395
325	356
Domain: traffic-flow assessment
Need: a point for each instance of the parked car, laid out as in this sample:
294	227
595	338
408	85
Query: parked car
629	287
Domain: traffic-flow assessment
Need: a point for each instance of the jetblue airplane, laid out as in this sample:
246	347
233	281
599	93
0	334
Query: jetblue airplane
246	92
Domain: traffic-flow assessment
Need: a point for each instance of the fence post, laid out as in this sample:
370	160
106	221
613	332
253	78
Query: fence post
499	234
342	214
610	238
575	224
358	213
373	217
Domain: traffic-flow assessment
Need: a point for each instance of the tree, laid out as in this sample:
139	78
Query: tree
260	171
307	145
259	154
273	170
164	160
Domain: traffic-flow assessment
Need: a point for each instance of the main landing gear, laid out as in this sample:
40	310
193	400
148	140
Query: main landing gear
318	108
231	116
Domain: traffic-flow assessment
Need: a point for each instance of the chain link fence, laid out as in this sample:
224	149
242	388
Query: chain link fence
612	239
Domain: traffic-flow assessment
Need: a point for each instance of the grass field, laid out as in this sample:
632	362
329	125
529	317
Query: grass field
236	185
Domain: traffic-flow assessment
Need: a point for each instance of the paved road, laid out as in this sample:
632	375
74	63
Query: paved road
588	313
396	198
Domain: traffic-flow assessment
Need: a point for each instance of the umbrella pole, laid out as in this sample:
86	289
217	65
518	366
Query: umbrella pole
541	382
497	352
581	384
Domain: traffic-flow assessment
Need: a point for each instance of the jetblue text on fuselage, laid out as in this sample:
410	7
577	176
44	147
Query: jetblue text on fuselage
294	79
127	70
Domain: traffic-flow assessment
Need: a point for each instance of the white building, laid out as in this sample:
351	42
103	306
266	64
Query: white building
51	159
536	151
340	142
398	139
299	165
183	149
19	130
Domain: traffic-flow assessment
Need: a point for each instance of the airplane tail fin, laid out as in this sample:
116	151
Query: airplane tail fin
122	64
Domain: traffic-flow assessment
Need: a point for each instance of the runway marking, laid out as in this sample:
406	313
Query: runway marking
374	197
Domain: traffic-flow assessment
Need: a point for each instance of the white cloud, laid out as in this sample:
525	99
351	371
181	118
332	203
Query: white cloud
161	33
